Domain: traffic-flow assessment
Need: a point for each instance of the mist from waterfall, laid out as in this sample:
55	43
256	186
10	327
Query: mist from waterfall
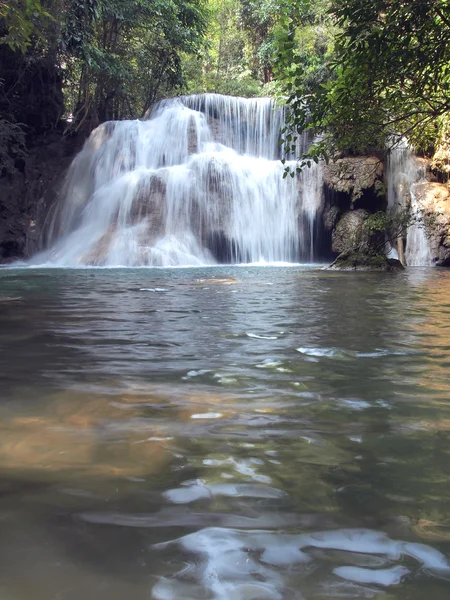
402	176
199	182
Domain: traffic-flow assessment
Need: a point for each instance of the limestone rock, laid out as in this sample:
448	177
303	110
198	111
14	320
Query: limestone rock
98	254
434	201
150	203
192	138
357	182
441	159
349	231
330	217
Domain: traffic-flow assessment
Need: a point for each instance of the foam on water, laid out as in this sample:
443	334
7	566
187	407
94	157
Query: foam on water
197	490
261	337
245	467
227	564
269	363
355	403
319	352
206	416
384	577
343	353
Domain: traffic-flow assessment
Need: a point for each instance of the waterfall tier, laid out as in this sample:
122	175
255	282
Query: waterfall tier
199	182
402	176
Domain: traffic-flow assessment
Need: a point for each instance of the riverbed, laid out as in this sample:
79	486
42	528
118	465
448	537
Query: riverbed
242	433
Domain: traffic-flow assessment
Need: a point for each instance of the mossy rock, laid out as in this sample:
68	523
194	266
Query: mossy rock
360	261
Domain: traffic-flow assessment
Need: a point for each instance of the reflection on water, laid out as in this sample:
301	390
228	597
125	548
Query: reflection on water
226	433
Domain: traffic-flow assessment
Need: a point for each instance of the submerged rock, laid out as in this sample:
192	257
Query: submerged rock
360	261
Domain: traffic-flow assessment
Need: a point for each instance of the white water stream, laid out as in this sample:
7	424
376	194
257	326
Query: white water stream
199	182
402	176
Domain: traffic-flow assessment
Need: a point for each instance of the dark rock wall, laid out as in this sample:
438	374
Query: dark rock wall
34	154
29	192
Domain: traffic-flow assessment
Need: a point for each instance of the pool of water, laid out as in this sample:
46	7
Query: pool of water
242	433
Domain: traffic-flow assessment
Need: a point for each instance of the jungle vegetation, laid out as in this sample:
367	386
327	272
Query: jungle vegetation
358	74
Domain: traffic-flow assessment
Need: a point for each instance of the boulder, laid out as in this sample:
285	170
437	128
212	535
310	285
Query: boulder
349	231
360	261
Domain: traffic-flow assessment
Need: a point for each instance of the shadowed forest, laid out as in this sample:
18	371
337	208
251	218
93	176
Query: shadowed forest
354	73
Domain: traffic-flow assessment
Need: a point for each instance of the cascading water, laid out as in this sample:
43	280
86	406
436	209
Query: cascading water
200	181
403	174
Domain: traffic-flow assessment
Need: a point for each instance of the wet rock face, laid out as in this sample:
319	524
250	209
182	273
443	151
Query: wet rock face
31	99
192	138
27	195
150	203
98	254
349	231
356	182
434	200
220	246
331	217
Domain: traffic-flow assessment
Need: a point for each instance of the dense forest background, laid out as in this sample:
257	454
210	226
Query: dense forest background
359	74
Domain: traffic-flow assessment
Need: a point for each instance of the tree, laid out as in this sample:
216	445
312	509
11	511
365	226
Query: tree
241	45
228	63
121	56
31	98
19	22
257	19
388	76
93	59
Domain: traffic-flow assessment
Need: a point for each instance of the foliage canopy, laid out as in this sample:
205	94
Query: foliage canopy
388	75
357	75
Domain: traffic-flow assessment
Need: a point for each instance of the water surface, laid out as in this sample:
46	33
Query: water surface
224	433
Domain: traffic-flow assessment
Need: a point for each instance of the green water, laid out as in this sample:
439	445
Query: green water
224	433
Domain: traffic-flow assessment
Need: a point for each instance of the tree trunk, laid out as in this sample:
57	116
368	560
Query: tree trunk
401	250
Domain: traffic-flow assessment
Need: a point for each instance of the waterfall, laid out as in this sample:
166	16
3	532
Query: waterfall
199	181
418	252
402	176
